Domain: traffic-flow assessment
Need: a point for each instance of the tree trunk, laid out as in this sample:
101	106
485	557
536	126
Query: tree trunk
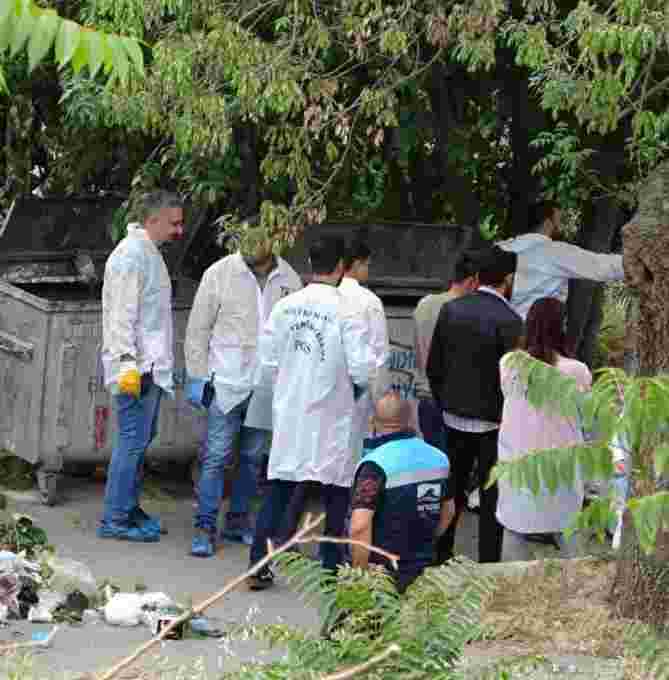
584	305
639	590
447	94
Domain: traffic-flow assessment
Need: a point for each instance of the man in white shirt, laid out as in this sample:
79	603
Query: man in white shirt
233	301
356	275
315	351
138	357
545	265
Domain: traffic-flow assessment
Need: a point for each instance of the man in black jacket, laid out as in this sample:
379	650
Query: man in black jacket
472	334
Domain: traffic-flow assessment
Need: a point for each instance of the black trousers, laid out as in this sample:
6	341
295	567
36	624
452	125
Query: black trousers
463	449
281	510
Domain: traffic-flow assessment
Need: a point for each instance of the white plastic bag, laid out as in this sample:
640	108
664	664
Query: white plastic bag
124	609
156	601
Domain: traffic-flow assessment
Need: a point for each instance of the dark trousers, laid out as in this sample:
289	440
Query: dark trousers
431	423
463	449
281	510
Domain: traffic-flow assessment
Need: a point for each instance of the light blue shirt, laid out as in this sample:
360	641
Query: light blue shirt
545	267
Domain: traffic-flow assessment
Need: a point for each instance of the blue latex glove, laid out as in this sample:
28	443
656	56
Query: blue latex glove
194	392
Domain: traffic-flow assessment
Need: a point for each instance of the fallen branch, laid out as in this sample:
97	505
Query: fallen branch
122	665
30	645
363	667
391	557
299	538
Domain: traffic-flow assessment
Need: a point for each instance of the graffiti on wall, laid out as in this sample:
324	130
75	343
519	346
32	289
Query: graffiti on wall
402	368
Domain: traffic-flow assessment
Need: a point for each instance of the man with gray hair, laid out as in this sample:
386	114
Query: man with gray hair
138	357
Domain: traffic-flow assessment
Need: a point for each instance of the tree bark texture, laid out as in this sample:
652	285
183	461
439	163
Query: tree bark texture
642	590
584	305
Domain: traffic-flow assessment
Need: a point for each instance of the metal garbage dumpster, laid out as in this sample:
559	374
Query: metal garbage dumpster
54	408
53	404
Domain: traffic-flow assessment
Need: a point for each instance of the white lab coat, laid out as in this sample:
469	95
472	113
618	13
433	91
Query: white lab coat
545	267
228	314
137	310
371	308
314	347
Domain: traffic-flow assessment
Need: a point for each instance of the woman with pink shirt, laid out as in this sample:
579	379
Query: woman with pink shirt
525	429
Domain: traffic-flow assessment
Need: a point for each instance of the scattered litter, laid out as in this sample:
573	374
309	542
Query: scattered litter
69	575
10	587
77	601
124	609
164	617
91	616
43	611
46	642
40	614
201	625
27	597
156	601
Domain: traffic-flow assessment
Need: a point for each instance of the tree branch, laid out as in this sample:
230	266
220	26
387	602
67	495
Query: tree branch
363	667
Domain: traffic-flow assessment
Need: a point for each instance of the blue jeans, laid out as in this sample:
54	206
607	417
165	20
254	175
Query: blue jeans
222	431
137	425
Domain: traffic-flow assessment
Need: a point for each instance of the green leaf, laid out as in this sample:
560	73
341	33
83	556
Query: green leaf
120	63
662	459
80	56
135	53
6	31
67	41
532	480
3	82
549	474
42	37
23	27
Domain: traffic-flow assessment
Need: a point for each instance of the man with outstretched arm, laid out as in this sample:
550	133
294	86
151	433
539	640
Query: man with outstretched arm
545	265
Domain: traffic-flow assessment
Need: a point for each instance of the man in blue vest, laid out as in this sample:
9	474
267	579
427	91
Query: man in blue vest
401	500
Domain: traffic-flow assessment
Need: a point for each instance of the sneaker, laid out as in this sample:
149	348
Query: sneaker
143	520
262	580
132	534
237	529
203	544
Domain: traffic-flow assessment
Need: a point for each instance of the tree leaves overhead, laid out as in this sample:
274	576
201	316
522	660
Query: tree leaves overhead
25	25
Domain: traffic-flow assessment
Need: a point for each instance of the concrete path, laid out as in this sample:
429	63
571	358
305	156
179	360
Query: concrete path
164	566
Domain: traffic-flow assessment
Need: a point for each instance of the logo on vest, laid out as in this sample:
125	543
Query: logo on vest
429	499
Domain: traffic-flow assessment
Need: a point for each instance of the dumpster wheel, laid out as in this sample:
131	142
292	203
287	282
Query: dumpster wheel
47	482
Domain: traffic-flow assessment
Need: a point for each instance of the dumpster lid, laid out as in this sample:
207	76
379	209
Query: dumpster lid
56	240
408	259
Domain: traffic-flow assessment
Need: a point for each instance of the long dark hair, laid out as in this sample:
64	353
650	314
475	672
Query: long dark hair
545	335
